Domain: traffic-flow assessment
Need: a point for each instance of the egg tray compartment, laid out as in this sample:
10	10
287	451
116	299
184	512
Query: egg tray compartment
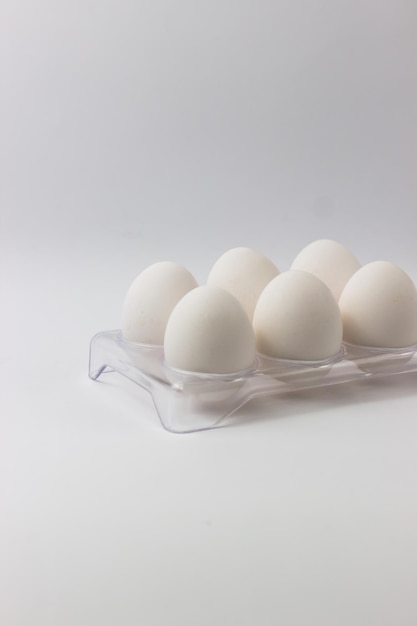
188	402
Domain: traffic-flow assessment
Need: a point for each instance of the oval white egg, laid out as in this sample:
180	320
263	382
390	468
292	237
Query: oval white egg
209	331
150	300
244	273
330	261
379	307
297	318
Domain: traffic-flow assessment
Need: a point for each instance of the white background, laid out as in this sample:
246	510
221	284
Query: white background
136	131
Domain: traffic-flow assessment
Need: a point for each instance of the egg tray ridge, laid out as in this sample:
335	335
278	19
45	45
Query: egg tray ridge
188	402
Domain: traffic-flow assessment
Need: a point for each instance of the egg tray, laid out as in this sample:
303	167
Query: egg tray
188	401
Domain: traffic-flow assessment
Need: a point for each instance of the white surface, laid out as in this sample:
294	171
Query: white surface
137	131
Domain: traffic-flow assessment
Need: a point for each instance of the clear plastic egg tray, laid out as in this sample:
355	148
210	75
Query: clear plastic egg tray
188	401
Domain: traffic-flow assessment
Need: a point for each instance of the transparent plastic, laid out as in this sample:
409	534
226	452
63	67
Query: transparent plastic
188	401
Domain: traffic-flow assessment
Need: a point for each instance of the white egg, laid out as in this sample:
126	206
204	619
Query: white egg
208	331
330	261
244	273
379	307
151	299
297	318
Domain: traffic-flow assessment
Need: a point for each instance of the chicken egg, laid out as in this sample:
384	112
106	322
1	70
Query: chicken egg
244	273
209	332
330	261
297	318
379	307
150	300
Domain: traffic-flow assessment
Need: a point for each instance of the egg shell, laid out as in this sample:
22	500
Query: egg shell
297	318
330	261
244	273
379	307
150	300
209	331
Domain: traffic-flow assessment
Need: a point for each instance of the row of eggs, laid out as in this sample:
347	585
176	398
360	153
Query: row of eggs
249	306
